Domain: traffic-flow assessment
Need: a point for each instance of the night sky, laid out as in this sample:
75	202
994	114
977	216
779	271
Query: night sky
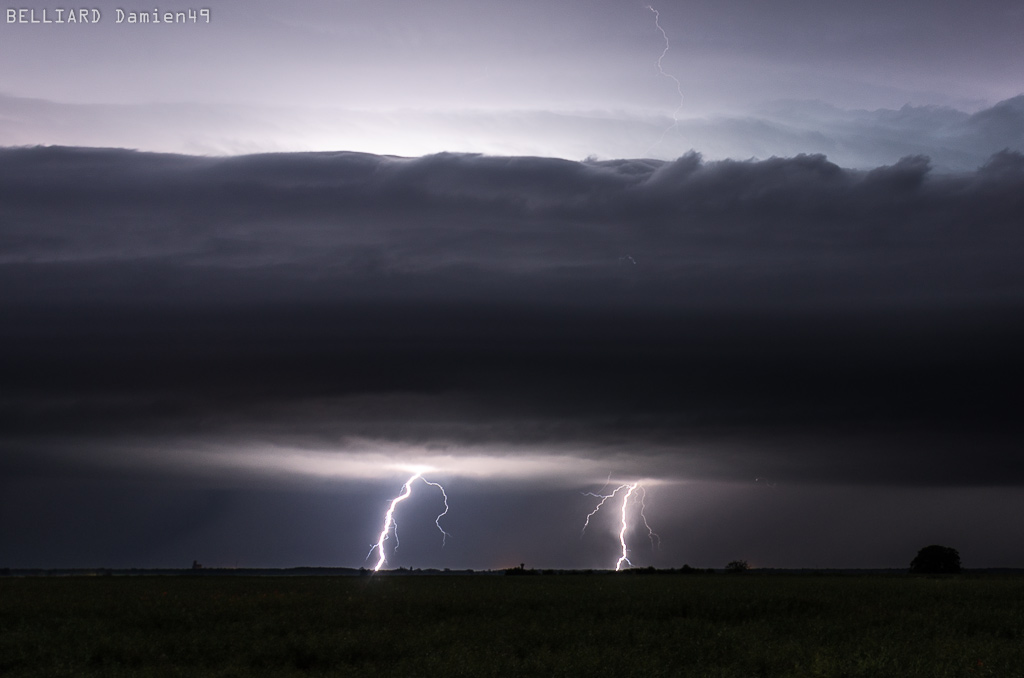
256	273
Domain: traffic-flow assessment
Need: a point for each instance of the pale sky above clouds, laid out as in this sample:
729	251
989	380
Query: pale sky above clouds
533	55
564	78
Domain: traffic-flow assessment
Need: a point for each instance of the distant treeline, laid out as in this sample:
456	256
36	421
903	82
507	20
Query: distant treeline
514	571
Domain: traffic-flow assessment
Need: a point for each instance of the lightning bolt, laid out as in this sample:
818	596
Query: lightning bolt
641	496
389	518
437	521
622	531
661	69
651	534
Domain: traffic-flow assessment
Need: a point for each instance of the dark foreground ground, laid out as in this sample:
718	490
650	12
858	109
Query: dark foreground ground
601	625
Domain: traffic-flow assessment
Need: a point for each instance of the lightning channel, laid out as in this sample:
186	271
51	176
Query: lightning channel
391	527
639	494
622	531
674	79
442	514
604	498
651	534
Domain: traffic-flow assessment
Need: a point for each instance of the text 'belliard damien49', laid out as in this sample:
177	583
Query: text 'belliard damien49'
92	15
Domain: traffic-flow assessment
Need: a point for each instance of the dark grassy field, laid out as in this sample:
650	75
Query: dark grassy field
601	625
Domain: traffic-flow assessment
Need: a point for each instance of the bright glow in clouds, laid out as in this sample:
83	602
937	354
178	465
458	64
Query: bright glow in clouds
357	458
641	496
377	460
384	458
391	527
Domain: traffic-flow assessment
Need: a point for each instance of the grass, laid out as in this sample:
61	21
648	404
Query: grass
603	625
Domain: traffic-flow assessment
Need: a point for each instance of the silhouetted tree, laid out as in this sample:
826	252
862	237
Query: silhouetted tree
936	559
737	567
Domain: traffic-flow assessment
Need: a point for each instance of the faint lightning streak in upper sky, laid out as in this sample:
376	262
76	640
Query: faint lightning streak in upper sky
661	69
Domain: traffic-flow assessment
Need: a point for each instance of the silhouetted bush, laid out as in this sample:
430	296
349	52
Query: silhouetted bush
650	569
936	559
737	567
521	570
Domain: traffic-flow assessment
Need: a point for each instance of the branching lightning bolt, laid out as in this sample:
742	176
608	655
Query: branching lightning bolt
651	534
604	498
437	521
622	531
641	496
661	69
391	527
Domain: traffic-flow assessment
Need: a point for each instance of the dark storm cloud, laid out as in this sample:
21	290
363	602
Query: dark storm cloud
718	319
